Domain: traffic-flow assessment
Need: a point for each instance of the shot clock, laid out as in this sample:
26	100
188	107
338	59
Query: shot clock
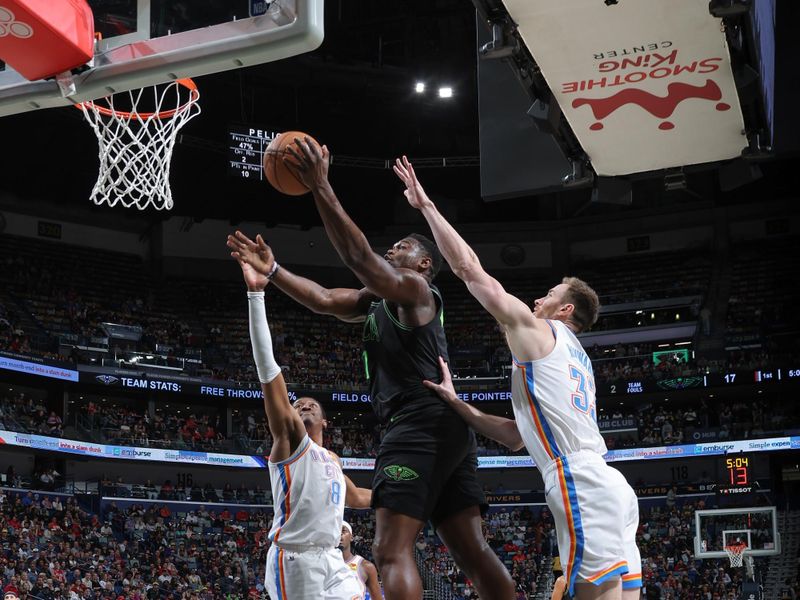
735	475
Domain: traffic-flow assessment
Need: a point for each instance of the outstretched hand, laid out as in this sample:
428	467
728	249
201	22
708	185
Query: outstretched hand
254	257
414	192
445	390
308	162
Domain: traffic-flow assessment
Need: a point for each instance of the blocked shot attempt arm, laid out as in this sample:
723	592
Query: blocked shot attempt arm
285	424
499	429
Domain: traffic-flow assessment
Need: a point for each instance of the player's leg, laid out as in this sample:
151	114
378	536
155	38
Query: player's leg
632	580
403	499
393	550
632	594
457	518
611	589
595	515
462	533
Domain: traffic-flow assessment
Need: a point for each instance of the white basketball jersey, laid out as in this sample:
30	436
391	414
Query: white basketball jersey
554	401
354	564
308	492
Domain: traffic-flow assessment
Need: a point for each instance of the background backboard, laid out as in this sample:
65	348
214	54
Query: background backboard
716	528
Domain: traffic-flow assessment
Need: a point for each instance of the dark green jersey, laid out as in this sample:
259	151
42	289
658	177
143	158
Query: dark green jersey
397	358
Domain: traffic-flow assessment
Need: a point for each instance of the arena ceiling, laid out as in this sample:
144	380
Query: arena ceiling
355	93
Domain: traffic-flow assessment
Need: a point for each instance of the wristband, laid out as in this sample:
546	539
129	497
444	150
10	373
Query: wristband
273	271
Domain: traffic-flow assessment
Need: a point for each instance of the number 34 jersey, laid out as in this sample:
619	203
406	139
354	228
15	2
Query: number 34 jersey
554	401
308	492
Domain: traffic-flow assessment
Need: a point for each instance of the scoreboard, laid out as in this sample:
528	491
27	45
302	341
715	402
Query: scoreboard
736	475
246	146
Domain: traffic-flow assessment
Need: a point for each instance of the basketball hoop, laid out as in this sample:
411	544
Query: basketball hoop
735	553
135	148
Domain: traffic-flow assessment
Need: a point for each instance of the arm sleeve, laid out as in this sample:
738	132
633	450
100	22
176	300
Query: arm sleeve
261	339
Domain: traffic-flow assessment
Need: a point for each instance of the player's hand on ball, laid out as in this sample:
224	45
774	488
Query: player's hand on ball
308	162
255	254
415	194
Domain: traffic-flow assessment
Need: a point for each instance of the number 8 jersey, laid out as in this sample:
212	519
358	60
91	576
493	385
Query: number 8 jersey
554	401
308	492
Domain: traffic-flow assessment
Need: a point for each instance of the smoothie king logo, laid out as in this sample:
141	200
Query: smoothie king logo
652	70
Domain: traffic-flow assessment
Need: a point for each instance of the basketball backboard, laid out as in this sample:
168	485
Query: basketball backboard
147	42
755	527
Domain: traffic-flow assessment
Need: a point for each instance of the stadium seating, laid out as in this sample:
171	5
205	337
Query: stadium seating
67	296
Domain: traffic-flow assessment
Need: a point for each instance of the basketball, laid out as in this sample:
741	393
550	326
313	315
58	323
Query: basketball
276	172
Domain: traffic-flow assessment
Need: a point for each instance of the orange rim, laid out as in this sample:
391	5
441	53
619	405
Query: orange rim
194	95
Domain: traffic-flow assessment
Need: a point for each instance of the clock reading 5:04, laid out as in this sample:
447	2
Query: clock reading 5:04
738	470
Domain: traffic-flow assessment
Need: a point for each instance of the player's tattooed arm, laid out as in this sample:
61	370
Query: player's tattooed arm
499	429
346	304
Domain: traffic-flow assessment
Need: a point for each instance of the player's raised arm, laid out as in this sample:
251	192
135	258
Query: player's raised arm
402	286
285	425
506	308
346	304
499	429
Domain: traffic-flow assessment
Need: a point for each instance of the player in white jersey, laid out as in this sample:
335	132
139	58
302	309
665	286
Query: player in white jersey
309	489
553	395
365	571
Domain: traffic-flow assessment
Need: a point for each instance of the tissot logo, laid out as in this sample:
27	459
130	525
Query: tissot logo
107	379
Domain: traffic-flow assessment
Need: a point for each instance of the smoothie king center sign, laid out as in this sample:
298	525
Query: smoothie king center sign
644	85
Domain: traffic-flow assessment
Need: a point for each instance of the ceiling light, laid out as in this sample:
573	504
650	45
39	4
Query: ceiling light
420	87
445	92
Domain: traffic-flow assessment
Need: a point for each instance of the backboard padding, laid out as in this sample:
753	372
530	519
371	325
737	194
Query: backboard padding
126	62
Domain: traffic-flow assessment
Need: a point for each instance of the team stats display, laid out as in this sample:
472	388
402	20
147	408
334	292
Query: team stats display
246	146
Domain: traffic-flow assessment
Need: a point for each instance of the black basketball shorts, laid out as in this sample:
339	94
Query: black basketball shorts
426	468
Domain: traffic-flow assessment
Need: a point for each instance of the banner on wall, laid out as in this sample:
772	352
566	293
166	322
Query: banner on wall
166	385
53	444
32	365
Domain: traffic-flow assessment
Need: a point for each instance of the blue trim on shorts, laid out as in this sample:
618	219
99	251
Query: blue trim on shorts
577	525
621	570
632	584
278	573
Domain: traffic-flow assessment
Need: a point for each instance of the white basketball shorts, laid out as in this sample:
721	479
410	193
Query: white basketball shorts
311	574
596	514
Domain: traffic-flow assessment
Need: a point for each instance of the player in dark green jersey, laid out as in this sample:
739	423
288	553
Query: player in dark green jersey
426	465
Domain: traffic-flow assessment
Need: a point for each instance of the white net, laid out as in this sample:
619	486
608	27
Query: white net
735	553
134	146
